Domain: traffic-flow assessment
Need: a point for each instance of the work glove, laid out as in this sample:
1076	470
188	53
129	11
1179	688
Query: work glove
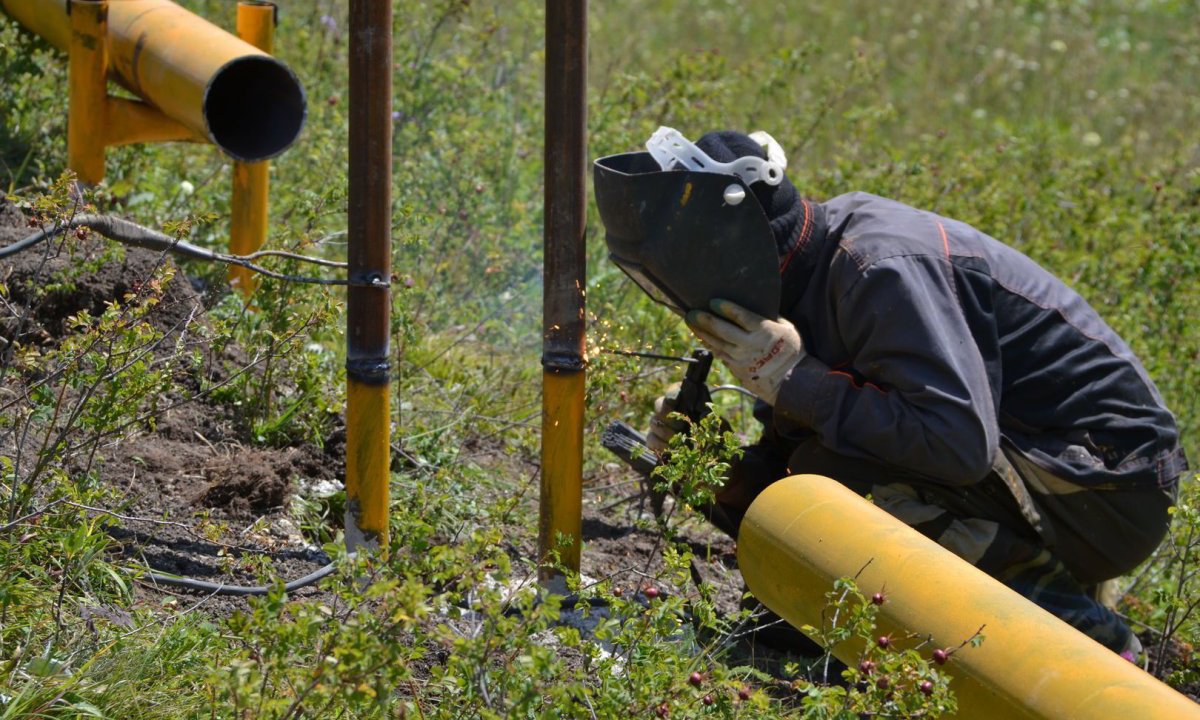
662	428
758	351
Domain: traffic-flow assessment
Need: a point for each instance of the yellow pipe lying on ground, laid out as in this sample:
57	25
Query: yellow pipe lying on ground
248	206
213	84
806	531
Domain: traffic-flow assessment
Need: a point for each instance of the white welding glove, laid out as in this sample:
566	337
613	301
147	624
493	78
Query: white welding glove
758	351
662	428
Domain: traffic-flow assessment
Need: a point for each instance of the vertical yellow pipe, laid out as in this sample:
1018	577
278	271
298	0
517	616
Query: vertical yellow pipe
805	531
562	468
367	462
248	208
213	85
87	79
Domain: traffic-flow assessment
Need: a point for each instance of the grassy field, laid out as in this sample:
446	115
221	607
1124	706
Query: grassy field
1067	129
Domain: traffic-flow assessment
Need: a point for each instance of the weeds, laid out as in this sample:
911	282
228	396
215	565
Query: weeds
1056	127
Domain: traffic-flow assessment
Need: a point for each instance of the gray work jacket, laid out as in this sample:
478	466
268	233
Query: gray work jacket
928	342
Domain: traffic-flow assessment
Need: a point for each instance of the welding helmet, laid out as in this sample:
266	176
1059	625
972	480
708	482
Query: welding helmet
688	229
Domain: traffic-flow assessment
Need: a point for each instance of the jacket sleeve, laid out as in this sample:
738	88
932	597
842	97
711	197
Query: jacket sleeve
919	397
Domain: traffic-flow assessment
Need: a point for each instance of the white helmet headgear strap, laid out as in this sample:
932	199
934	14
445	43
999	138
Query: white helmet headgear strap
671	149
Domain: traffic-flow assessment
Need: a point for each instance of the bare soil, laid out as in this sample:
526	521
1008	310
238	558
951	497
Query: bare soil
196	497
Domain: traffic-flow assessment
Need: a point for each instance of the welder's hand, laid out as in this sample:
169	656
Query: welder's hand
758	351
662	428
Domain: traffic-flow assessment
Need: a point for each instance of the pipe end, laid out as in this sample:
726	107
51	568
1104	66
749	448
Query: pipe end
254	108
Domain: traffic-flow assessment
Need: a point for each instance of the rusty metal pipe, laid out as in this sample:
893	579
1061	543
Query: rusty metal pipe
368	300
221	88
804	532
563	336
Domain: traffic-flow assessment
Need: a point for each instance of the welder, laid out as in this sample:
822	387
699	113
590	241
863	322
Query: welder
932	368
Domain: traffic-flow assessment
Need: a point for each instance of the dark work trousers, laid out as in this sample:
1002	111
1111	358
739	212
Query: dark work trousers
1043	536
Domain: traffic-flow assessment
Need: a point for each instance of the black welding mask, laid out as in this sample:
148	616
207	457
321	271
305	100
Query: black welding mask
688	229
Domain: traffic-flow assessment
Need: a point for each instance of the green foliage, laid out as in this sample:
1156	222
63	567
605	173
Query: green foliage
1173	594
892	678
1058	127
698	461
291	388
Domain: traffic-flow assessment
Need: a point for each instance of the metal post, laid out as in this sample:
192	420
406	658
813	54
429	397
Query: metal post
368	300
804	532
203	83
87	81
248	206
563	335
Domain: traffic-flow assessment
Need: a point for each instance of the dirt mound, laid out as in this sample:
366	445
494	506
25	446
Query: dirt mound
51	282
13	225
258	480
195	463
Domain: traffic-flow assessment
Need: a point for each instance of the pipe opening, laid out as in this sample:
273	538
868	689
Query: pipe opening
254	108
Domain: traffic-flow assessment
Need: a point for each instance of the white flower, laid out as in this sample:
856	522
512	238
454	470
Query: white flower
186	188
1091	139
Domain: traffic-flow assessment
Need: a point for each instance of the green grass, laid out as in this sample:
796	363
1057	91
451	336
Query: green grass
1064	128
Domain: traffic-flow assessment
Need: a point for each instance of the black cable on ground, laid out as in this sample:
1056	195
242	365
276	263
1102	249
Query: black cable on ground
214	588
130	233
569	602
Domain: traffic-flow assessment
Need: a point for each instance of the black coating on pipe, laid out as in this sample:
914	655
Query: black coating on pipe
254	108
369	371
563	362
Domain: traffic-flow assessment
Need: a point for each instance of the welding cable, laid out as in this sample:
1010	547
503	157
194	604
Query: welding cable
130	233
213	588
734	388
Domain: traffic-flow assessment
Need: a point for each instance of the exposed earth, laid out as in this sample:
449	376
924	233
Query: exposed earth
197	475
195	496
192	474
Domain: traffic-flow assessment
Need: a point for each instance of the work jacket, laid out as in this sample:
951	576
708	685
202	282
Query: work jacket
929	343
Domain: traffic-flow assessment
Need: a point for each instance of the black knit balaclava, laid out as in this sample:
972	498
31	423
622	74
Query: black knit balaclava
780	202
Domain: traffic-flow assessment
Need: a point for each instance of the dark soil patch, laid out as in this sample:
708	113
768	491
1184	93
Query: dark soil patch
60	278
623	544
196	496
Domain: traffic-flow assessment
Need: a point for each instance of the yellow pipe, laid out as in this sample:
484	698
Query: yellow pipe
367	464
87	72
133	121
562	469
95	120
805	531
216	85
248	206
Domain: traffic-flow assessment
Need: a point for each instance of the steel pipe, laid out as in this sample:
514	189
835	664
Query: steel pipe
251	183
217	86
87	65
805	531
563	336
368	300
